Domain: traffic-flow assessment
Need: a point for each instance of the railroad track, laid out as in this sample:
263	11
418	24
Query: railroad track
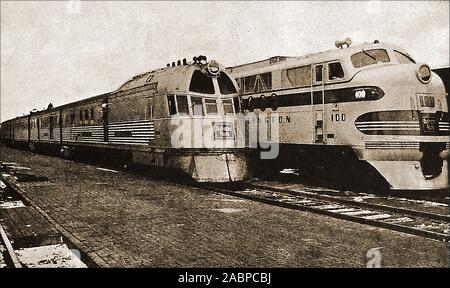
424	224
415	222
11	257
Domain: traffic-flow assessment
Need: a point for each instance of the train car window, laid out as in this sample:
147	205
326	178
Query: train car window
402	58
86	114
201	83
92	113
226	86
227	106
369	57
171	104
319	69
72	118
211	106
297	77
249	83
335	71
197	106
81	115
183	106
266	81
258	83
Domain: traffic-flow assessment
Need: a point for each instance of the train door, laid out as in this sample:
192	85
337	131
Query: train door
318	103
51	126
38	121
104	118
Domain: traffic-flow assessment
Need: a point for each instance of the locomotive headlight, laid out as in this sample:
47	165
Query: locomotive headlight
213	68
368	93
360	94
424	74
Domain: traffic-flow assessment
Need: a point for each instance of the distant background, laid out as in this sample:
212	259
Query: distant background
60	51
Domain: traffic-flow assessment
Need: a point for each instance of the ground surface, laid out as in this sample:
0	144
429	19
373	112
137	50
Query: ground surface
133	220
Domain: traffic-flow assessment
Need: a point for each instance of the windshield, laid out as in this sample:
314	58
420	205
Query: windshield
369	57
226	86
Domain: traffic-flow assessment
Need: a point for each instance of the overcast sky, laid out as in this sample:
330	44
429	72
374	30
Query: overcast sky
60	52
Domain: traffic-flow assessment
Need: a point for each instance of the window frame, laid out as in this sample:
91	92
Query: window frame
206	106
187	105
297	69
322	74
174	105
329	70
191	105
231	103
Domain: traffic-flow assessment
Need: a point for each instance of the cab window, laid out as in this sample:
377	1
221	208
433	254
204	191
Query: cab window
201	83
183	106
197	106
402	58
369	57
227	106
211	106
335	71
226	86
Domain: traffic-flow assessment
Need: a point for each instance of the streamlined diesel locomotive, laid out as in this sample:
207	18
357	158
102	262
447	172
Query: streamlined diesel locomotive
182	116
367	110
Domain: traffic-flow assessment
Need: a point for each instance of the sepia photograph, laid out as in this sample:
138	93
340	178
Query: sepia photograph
234	136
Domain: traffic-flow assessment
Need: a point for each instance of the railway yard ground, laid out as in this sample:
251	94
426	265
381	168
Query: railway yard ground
119	218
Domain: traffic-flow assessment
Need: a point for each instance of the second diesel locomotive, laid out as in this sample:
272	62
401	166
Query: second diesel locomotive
182	116
369	110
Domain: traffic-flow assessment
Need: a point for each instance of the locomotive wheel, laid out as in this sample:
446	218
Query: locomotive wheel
32	147
65	152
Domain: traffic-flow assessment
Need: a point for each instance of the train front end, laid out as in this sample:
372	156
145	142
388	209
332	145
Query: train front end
205	129
406	132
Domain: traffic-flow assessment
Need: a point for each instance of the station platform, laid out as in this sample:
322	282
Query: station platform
126	219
